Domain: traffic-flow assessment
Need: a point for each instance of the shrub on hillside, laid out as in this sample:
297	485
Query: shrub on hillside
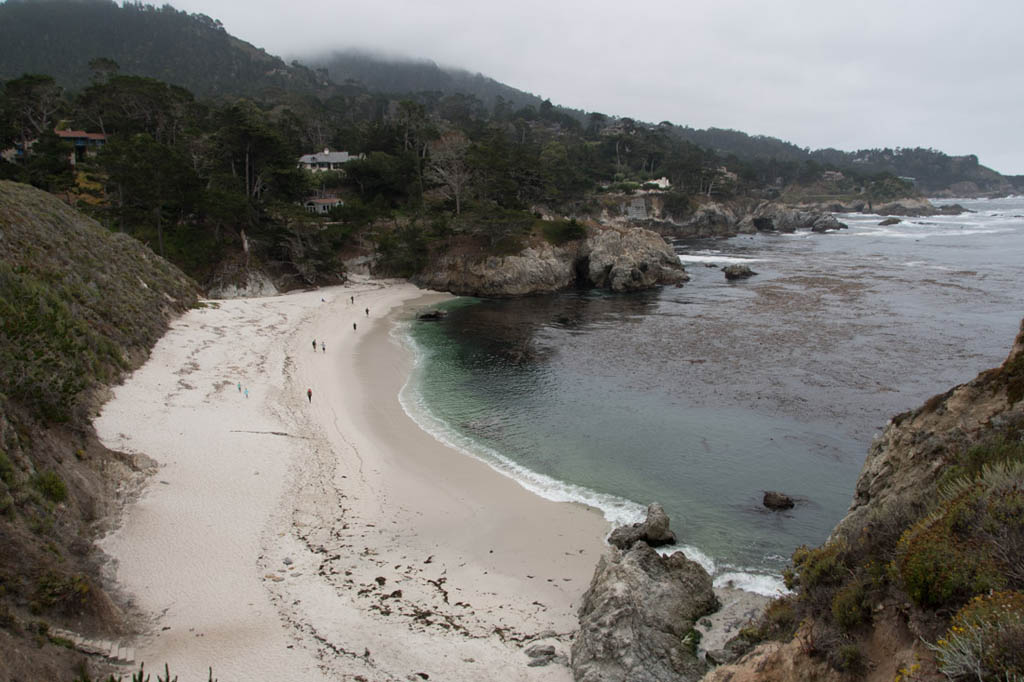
50	485
559	232
985	641
971	544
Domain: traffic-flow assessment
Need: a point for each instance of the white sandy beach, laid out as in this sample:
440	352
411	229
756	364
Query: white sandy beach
283	539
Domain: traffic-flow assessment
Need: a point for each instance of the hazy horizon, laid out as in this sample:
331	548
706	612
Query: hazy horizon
939	75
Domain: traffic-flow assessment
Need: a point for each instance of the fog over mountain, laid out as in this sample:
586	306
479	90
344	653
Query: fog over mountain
858	75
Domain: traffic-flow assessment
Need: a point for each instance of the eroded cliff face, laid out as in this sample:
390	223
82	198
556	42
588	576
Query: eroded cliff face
907	459
905	470
614	259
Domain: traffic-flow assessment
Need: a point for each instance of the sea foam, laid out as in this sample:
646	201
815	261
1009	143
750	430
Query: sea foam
616	510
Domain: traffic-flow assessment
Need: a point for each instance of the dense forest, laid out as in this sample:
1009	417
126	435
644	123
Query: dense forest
203	133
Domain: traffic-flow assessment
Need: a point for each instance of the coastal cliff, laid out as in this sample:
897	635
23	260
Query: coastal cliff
922	579
80	306
610	258
703	217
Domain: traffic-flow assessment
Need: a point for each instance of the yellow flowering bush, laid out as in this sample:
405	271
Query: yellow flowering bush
985	640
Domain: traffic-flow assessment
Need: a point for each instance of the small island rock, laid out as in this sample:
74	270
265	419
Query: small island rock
777	501
738	271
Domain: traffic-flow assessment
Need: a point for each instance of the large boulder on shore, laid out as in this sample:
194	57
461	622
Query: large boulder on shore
654	530
637	618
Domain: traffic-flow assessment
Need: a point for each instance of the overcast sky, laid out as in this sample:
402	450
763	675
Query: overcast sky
819	73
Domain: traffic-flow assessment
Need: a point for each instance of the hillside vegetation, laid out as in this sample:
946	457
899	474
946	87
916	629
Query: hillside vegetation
61	37
204	132
79	306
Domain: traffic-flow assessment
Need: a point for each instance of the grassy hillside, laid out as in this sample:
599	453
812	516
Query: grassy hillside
79	306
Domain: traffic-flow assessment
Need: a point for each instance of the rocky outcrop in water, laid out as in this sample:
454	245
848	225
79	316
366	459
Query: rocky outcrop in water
618	260
737	271
769	216
654	530
637	618
630	260
777	501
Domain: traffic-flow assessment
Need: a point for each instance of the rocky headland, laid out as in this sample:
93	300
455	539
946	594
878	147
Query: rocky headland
726	218
616	259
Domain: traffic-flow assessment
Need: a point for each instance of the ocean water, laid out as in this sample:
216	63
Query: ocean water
705	396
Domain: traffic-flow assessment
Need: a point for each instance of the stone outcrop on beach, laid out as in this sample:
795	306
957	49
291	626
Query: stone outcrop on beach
654	530
637	618
618	260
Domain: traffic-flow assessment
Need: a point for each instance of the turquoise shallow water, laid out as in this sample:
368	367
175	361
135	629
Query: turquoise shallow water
702	397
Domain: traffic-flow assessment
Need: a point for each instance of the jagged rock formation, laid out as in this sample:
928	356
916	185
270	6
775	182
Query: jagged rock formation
908	457
619	260
631	260
773	217
637	617
654	530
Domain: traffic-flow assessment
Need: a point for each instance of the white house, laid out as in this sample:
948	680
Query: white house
322	206
326	160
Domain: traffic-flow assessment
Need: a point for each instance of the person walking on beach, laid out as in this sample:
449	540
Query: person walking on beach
246	392
309	394
367	312
351	299
353	326
239	386
323	346
314	345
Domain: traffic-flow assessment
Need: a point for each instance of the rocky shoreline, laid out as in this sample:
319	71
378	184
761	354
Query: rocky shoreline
609	258
651	617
